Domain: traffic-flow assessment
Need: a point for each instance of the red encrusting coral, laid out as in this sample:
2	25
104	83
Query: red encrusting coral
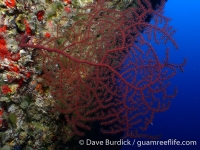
8	62
3	29
5	89
67	9
103	68
27	28
40	15
47	35
10	3
67	1
4	53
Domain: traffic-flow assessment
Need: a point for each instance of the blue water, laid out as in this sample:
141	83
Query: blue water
182	120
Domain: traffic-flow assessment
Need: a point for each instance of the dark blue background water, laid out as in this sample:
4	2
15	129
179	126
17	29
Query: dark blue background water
182	120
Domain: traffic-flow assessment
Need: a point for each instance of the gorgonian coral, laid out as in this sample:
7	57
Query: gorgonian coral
103	68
